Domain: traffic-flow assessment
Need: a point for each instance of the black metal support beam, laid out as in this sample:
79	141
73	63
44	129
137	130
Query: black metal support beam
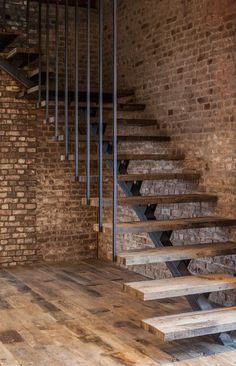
67	77
47	62
40	51
88	147
28	29
100	114
114	229
4	17
57	68
77	91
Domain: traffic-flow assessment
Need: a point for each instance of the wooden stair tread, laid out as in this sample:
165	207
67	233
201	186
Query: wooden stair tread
20	56
20	51
6	38
180	286
120	121
159	200
125	138
192	324
147	177
129	156
176	253
130	122
168	225
94	96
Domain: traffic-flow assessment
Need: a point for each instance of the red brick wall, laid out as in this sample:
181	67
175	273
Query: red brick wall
42	217
180	58
18	238
16	10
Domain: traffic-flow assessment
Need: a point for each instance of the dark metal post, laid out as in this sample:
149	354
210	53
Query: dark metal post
66	80
77	90
57	68
47	62
4	18
100	114
28	29
40	51
114	127
88	170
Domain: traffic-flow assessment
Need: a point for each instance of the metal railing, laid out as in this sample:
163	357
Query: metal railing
88	95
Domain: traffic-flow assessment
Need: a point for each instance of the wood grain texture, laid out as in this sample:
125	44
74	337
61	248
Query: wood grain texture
77	314
180	286
192	324
147	177
159	200
168	225
176	253
138	157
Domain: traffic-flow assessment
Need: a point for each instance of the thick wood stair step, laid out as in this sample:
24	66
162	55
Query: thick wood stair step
6	38
180	286
125	138
20	55
138	157
147	177
94	96
124	122
141	122
168	225
193	324
176	253
159	200
126	107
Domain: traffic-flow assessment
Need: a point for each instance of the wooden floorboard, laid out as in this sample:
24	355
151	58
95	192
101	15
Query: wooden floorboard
78	314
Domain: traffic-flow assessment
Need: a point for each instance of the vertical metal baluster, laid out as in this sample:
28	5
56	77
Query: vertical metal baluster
88	170
77	90
57	68
4	17
40	51
114	127
100	114
47	62
28	30
66	81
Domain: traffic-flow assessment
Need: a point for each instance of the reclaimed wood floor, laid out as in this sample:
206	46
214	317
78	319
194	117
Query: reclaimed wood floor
77	314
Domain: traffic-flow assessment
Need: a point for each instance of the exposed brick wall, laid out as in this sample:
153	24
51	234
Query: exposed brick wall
16	19
18	241
42	217
180	58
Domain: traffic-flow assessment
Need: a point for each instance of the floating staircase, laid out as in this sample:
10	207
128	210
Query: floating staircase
205	319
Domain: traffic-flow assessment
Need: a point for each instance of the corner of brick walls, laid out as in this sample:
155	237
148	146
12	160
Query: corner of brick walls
179	56
42	217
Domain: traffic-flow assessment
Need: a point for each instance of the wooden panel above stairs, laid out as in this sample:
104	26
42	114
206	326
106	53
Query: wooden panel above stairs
168	225
193	324
175	253
180	286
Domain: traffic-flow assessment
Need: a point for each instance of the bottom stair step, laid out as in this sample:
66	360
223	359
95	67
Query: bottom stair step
180	286
194	324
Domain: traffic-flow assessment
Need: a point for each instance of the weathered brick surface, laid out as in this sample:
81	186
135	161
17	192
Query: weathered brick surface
179	56
42	217
18	242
